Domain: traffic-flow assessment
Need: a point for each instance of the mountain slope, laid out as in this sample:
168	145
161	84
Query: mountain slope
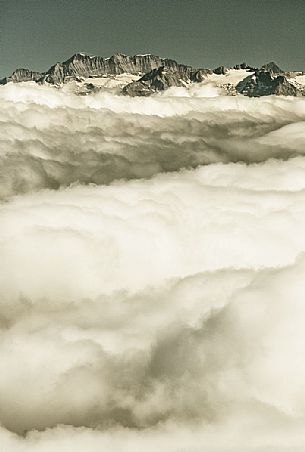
265	83
82	65
22	75
146	74
161	79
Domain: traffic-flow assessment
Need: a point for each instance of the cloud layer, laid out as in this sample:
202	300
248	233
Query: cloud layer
164	312
50	138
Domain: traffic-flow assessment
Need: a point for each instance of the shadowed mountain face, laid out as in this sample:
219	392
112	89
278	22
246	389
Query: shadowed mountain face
158	74
155	80
22	75
161	79
81	65
265	83
273	68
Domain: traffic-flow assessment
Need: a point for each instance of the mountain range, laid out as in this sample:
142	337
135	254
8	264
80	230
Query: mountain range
143	75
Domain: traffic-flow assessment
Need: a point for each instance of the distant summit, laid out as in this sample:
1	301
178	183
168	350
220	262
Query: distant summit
147	74
22	75
265	83
82	65
269	79
161	79
273	68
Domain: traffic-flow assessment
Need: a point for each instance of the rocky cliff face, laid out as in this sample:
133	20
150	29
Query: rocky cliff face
157	74
273	68
220	70
265	83
81	65
163	78
244	66
22	75
198	75
156	80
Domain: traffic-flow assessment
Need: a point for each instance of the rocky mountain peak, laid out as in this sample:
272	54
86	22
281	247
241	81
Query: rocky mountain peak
119	56
220	70
244	66
158	79
22	75
154	74
272	67
82	65
265	83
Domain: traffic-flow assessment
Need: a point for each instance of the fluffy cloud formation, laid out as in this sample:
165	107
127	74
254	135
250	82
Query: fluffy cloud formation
159	313
50	138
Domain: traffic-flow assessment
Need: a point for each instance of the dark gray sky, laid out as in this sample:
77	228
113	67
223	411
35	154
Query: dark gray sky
203	33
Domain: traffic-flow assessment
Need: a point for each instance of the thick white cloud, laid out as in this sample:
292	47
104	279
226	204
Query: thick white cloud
163	313
50	138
